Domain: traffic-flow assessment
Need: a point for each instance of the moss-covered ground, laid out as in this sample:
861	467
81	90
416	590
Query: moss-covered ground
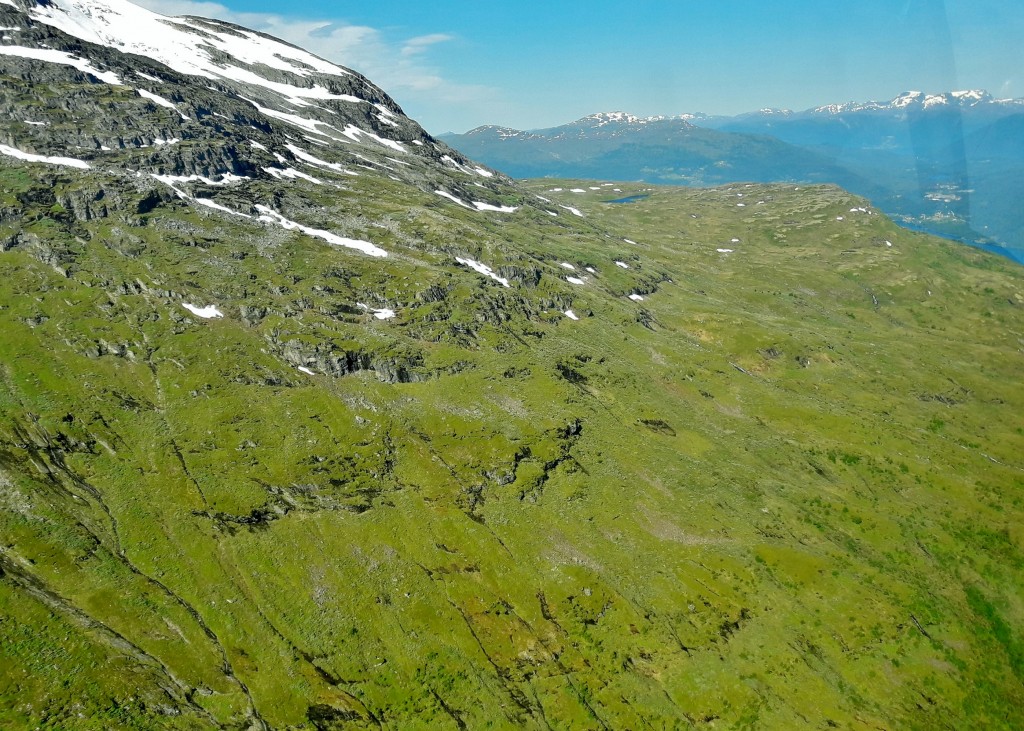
784	489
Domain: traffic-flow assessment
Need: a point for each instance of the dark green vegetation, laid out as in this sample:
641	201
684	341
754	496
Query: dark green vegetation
783	491
758	466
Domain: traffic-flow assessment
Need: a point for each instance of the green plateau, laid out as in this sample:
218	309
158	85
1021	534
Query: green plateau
770	478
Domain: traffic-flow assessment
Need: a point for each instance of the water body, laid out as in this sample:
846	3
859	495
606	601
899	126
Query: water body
1010	252
631	198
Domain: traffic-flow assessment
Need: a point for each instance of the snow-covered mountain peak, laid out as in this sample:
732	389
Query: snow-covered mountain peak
204	101
906	99
603	118
187	45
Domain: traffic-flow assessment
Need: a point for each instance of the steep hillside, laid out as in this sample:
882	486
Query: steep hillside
382	439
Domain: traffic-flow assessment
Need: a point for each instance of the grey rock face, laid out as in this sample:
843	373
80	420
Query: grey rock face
237	118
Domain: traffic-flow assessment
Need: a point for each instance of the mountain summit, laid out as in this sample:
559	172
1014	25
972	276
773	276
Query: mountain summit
211	100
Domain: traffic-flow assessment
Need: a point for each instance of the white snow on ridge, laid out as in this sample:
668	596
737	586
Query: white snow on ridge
482	269
305	156
291	173
45	159
225	179
636	298
218	207
269	215
183	44
622	265
160	101
575	280
571	315
60	57
480	206
208	312
453	199
310	125
452	162
573	211
354	133
477	205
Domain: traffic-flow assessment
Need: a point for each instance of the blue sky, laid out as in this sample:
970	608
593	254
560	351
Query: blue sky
459	64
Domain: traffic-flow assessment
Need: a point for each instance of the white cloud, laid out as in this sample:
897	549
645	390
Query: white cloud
401	67
420	44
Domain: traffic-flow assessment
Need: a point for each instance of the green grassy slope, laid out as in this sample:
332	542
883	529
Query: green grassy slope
784	490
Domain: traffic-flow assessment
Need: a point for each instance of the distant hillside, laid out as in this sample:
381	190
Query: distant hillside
946	163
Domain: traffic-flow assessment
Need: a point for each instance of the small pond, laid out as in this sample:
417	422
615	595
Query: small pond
631	198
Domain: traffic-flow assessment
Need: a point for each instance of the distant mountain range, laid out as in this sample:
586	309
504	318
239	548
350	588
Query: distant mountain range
947	163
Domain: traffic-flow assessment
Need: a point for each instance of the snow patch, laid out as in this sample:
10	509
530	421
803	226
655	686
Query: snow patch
218	207
307	371
575	280
160	101
571	315
383	314
60	57
636	298
225	179
622	265
567	265
278	173
306	157
45	159
175	42
480	206
354	133
208	312
573	211
453	199
482	269
269	215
